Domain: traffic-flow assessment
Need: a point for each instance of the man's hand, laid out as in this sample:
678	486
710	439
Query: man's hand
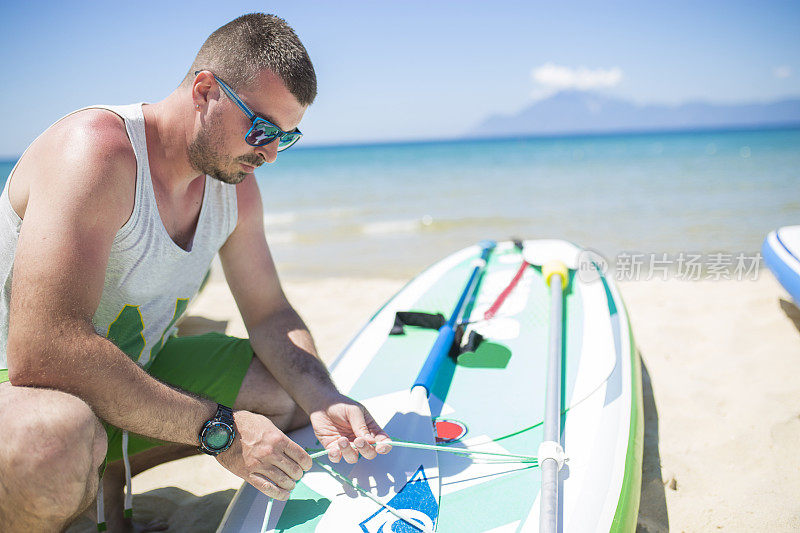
264	457
345	428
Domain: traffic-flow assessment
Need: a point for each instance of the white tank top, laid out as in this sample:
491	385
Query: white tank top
149	279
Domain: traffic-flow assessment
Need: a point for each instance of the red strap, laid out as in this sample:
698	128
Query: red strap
502	297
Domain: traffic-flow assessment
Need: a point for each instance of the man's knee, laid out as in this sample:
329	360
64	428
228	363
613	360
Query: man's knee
298	420
261	393
65	430
53	445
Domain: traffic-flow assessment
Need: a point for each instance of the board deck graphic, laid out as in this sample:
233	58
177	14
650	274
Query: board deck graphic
447	431
415	499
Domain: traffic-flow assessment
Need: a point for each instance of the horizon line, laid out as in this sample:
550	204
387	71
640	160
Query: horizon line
5	158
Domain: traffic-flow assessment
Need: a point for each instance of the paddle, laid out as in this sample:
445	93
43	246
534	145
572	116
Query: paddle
551	454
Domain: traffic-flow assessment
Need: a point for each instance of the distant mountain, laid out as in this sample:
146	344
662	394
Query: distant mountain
584	112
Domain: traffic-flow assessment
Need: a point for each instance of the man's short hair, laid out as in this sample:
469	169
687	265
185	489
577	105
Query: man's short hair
245	46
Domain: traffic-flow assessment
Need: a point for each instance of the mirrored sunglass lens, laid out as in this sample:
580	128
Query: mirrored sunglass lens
261	134
287	140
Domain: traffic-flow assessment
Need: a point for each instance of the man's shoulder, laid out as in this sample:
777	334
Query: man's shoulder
89	148
95	138
87	156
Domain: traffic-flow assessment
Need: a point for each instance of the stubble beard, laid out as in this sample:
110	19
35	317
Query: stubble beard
205	157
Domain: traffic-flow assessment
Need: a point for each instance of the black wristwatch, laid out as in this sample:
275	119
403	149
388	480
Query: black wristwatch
217	434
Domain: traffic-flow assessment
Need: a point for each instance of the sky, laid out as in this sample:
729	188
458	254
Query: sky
404	70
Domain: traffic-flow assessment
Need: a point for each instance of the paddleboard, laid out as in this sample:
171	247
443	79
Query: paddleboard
781	252
489	399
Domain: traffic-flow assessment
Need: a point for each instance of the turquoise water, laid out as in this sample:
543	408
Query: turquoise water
390	210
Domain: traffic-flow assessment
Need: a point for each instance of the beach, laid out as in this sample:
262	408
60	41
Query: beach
349	225
721	398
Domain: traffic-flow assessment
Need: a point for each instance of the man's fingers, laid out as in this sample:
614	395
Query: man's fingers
334	452
290	467
268	487
364	448
380	438
278	477
336	449
348	452
382	443
365	427
296	453
358	422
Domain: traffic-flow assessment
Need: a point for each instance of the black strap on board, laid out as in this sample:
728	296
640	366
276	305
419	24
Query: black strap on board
418	319
435	321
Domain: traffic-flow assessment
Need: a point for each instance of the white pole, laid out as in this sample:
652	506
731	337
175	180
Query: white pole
548	514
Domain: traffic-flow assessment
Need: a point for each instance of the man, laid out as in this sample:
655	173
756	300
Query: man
108	224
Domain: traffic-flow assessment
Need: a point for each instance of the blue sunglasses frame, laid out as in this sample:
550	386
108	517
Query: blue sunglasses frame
262	131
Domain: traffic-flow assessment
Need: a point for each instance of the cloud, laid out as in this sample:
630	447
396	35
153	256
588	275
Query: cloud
782	72
550	78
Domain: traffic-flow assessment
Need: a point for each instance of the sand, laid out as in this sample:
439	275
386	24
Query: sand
721	365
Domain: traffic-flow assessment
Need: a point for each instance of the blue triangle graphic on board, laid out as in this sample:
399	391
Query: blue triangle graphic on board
415	500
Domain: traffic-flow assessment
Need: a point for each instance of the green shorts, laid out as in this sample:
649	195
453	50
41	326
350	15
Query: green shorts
212	365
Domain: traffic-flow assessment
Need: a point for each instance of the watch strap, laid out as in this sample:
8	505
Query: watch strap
224	413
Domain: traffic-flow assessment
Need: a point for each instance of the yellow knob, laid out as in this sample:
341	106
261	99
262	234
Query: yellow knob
556	267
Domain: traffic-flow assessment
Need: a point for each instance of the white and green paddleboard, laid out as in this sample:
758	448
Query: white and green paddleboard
491	399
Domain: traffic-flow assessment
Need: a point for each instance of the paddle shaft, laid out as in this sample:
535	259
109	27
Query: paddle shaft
548	515
447	333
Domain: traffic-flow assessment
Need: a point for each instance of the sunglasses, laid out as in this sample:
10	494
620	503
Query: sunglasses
262	131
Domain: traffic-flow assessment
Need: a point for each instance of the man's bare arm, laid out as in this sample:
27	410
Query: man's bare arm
277	333
282	341
80	178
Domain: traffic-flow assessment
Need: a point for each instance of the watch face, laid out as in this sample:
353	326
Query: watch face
216	437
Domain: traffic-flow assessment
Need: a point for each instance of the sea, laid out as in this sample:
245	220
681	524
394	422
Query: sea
390	210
